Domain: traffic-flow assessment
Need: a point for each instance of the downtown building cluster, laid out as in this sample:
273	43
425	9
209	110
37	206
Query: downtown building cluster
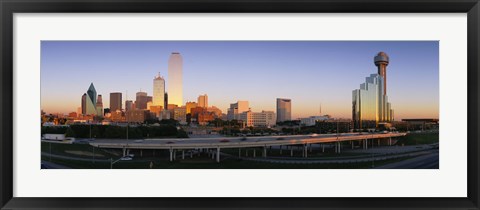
371	108
167	103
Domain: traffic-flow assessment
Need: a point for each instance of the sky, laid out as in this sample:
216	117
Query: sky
311	73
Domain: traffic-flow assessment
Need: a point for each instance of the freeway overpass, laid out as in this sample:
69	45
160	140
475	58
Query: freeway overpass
217	144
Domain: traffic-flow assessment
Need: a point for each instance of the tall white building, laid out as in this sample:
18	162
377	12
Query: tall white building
284	109
203	101
175	81
258	119
158	91
233	113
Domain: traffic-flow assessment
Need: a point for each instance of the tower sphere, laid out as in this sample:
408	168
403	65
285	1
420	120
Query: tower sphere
381	58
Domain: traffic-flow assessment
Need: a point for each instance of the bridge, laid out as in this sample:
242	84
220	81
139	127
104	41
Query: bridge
214	145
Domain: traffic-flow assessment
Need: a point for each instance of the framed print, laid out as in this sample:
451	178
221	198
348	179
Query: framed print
239	105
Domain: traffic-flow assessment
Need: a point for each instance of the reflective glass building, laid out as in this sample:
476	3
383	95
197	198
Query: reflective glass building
175	81
91	101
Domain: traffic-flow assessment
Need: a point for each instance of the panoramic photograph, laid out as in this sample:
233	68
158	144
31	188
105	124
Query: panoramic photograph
239	105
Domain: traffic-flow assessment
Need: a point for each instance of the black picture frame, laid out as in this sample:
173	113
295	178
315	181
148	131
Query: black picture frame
9	7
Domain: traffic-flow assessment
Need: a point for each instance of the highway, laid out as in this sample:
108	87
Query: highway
428	161
237	142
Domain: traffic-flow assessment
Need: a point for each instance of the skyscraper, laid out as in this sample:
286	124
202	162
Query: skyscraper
284	109
175	81
159	91
99	105
115	101
84	104
203	101
128	105
91	101
141	100
370	104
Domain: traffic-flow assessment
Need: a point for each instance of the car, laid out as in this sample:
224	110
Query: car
224	140
138	141
170	142
130	155
280	138
126	158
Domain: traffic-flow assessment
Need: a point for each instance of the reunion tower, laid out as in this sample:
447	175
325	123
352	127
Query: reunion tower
381	61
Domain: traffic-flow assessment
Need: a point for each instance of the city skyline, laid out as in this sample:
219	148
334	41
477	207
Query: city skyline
309	73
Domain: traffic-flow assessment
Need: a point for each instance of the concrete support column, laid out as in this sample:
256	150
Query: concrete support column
281	149
191	153
291	151
141	153
239	152
264	152
171	155
351	142
124	152
366	143
323	147
339	147
390	141
218	154
305	150
378	142
254	152
174	154
183	154
213	154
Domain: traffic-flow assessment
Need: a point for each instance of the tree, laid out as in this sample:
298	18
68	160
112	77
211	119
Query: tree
70	132
182	134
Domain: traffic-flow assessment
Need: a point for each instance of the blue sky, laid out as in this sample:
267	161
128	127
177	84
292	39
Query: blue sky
309	72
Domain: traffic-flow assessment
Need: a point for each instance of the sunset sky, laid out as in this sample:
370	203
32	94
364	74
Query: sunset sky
308	72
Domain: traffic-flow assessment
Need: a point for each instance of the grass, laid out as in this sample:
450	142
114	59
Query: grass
208	163
76	150
418	138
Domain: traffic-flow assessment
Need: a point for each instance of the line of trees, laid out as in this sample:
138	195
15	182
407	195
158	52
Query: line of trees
116	132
